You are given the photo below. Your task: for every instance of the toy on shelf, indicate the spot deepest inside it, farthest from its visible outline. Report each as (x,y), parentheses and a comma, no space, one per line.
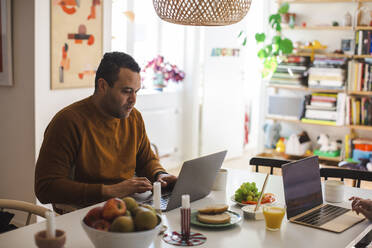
(297,145)
(327,148)
(272,134)
(280,145)
(315,45)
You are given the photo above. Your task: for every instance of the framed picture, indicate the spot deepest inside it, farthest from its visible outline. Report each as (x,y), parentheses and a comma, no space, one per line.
(6,74)
(347,46)
(76,42)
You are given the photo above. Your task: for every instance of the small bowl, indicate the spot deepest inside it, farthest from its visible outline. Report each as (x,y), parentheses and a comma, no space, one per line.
(42,241)
(250,214)
(103,239)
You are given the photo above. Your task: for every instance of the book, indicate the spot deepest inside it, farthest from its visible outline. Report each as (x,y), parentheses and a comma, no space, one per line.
(323,104)
(341,102)
(321,114)
(321,122)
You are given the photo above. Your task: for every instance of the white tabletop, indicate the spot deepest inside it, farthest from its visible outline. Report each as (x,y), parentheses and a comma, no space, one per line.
(247,233)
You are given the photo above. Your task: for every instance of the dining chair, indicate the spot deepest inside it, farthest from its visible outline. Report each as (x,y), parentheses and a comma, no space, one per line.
(23,206)
(267,162)
(357,175)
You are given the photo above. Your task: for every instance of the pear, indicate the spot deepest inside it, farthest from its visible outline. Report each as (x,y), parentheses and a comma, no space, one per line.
(145,220)
(130,202)
(122,224)
(149,207)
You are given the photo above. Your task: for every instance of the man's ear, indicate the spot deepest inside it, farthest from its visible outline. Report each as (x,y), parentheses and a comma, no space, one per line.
(102,85)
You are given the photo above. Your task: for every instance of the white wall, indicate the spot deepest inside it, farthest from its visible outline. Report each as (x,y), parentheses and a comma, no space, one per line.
(17,141)
(48,102)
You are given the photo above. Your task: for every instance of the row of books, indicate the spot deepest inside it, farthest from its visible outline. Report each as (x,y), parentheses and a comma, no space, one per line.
(292,71)
(358,111)
(324,108)
(360,75)
(363,42)
(324,72)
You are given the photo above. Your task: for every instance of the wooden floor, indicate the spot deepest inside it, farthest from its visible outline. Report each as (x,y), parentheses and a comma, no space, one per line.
(243,163)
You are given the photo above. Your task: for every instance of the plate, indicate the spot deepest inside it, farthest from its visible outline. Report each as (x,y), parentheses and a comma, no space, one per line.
(235,218)
(243,204)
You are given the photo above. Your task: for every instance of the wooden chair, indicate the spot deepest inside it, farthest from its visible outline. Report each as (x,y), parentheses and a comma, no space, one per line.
(342,173)
(268,162)
(23,206)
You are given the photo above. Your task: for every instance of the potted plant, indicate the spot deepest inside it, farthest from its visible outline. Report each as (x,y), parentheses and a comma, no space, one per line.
(272,51)
(158,73)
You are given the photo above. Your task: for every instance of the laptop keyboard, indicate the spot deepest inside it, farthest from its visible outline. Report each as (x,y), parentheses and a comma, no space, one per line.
(322,215)
(163,201)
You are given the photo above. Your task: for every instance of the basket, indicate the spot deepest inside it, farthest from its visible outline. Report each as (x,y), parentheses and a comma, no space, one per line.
(202,12)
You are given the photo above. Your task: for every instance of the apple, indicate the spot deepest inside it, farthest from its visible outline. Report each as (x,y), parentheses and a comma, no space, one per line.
(93,215)
(101,224)
(113,208)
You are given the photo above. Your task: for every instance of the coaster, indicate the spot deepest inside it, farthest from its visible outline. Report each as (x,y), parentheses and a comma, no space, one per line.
(176,239)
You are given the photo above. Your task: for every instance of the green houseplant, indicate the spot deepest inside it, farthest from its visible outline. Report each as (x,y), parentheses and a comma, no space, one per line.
(272,51)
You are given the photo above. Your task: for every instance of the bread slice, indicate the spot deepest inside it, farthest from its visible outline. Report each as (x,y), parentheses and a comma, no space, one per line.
(214,209)
(214,219)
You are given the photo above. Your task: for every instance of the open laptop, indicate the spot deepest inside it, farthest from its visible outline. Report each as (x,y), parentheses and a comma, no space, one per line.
(303,197)
(196,179)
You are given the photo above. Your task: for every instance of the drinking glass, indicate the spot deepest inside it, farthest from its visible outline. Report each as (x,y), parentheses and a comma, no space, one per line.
(274,216)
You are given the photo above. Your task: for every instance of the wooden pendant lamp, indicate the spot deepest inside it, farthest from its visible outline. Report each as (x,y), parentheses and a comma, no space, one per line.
(202,12)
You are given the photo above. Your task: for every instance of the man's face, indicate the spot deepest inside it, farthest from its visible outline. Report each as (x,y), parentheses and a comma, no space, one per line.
(119,100)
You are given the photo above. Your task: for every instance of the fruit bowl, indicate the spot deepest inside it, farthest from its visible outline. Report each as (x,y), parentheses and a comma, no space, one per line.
(103,239)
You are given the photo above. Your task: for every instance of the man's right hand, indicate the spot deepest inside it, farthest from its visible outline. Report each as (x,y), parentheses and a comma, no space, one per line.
(363,206)
(126,187)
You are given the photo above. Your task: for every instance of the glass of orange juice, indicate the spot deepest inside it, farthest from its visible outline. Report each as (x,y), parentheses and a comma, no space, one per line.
(273,216)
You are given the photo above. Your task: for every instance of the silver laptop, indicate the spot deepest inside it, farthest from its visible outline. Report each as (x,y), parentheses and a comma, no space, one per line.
(196,179)
(304,200)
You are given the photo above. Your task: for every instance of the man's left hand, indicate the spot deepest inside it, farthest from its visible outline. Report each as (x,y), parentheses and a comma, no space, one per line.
(166,179)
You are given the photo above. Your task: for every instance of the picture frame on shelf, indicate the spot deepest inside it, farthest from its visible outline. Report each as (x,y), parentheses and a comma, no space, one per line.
(347,46)
(6,70)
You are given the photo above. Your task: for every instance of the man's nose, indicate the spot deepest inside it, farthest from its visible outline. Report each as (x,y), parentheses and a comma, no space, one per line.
(133,97)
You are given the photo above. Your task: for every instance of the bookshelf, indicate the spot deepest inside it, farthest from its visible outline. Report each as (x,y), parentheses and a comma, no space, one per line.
(335,28)
(323,1)
(280,88)
(274,154)
(299,88)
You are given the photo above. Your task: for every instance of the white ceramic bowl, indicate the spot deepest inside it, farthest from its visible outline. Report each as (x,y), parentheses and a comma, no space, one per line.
(103,239)
(334,191)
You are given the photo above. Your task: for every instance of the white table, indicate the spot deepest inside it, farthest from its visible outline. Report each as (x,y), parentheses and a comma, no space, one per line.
(245,234)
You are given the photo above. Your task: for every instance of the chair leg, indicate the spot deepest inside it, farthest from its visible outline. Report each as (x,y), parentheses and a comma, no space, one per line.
(271,170)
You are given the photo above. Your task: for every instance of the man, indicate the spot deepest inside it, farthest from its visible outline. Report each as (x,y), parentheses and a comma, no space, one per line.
(97,148)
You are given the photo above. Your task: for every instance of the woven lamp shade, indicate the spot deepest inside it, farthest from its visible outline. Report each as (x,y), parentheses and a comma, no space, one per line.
(202,12)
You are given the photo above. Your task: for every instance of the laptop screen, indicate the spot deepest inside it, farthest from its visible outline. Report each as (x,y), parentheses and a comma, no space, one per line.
(302,187)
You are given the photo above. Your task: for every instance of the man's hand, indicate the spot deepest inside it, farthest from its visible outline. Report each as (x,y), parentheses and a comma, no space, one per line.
(126,187)
(166,179)
(363,206)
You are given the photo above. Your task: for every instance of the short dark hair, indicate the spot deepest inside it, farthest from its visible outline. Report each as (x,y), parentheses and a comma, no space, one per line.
(110,65)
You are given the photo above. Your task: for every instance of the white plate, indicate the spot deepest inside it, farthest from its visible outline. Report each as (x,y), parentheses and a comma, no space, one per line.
(243,204)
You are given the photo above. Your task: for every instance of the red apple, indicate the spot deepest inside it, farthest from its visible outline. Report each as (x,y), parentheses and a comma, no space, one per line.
(113,208)
(102,225)
(93,215)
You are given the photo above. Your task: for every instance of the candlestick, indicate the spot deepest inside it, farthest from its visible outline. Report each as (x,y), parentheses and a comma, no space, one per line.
(157,196)
(185,217)
(50,224)
(186,201)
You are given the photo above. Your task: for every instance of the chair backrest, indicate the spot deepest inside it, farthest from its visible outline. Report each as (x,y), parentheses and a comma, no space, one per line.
(341,173)
(23,206)
(268,162)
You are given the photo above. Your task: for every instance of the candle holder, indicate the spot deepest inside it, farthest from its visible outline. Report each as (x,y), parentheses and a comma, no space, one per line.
(42,241)
(185,238)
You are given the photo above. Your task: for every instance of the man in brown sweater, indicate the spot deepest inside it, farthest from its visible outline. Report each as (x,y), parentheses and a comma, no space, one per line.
(97,148)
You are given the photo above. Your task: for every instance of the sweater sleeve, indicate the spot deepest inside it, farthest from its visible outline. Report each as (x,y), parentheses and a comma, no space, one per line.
(147,163)
(55,165)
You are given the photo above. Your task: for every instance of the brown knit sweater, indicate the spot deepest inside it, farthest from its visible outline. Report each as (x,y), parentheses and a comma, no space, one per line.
(83,149)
